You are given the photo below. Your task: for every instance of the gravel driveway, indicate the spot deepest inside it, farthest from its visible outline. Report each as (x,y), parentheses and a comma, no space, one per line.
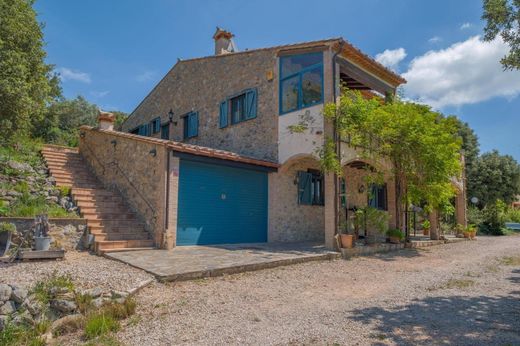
(459,294)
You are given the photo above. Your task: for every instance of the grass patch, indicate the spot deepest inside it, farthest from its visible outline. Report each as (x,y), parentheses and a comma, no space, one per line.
(459,283)
(105,340)
(510,261)
(24,335)
(42,288)
(99,324)
(29,206)
(84,302)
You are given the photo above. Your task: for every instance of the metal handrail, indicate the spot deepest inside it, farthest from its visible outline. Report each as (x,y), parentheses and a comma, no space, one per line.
(114,163)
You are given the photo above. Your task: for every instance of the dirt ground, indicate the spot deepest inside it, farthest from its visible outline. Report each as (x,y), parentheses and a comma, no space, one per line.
(459,294)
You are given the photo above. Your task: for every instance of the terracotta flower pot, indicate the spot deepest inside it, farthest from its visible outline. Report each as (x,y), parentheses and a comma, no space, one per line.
(347,241)
(426,231)
(466,234)
(472,234)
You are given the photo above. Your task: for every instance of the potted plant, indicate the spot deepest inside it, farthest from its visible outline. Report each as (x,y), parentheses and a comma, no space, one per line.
(395,235)
(375,219)
(472,231)
(426,227)
(459,231)
(346,239)
(6,231)
(42,240)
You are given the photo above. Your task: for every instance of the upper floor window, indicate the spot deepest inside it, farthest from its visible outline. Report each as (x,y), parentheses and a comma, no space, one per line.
(191,125)
(156,125)
(241,107)
(301,81)
(144,130)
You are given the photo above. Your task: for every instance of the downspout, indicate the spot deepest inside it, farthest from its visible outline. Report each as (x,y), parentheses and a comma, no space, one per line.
(167,217)
(336,143)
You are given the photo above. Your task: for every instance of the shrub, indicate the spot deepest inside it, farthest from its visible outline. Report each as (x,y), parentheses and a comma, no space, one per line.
(15,335)
(7,227)
(426,224)
(120,311)
(395,232)
(42,288)
(512,215)
(493,219)
(100,323)
(475,215)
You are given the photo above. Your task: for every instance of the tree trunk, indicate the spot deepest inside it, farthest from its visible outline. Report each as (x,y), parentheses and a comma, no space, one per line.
(434,225)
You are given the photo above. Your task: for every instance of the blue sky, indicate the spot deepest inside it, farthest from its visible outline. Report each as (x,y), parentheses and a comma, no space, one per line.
(114,52)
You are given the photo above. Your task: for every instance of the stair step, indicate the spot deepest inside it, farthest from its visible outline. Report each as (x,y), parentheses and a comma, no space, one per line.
(100,205)
(126,249)
(103,216)
(116,229)
(118,210)
(121,236)
(128,224)
(104,245)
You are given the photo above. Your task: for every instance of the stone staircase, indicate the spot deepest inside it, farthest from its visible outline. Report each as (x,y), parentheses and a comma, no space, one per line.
(114,226)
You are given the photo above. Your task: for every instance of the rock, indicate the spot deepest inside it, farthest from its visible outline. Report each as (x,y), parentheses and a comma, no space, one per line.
(34,306)
(93,292)
(62,305)
(99,302)
(69,229)
(7,308)
(67,324)
(81,228)
(3,322)
(119,294)
(13,193)
(23,318)
(53,199)
(18,294)
(5,292)
(20,166)
(55,291)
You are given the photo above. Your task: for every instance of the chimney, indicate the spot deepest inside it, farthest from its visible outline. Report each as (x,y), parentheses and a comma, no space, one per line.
(224,42)
(106,120)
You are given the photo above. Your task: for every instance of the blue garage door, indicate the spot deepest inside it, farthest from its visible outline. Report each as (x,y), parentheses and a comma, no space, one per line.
(221,205)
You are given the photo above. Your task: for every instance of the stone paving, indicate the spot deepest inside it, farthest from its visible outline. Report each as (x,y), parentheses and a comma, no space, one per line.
(192,262)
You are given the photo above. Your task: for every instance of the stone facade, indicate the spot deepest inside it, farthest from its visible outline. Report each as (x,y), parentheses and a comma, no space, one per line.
(288,220)
(200,85)
(136,166)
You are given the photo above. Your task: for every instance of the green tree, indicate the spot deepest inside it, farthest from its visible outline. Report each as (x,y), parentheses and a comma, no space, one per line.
(494,177)
(422,146)
(27,83)
(503,18)
(63,119)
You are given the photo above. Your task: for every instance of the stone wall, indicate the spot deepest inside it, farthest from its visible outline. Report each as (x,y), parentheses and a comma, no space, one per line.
(201,85)
(289,221)
(135,166)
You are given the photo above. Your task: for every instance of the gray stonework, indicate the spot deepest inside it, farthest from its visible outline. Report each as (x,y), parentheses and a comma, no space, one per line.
(201,85)
(289,221)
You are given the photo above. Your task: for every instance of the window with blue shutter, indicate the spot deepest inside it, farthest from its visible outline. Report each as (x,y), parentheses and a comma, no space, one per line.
(156,125)
(144,130)
(241,107)
(377,197)
(310,188)
(191,125)
(223,118)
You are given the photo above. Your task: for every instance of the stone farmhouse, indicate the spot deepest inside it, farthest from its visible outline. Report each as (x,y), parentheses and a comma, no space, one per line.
(208,156)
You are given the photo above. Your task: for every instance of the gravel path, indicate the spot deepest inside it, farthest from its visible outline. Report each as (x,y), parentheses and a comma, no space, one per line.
(86,270)
(460,294)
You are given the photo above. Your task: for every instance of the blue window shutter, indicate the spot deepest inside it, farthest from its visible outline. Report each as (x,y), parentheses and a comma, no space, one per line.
(372,198)
(304,188)
(193,124)
(223,119)
(251,104)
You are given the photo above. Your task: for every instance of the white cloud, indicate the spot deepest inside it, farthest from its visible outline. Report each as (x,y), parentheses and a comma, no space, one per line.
(435,39)
(145,76)
(465,26)
(465,73)
(391,57)
(99,94)
(69,74)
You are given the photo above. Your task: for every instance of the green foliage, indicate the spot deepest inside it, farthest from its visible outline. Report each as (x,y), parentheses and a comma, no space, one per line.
(120,311)
(426,224)
(422,145)
(502,18)
(17,335)
(493,222)
(28,205)
(512,215)
(475,215)
(26,81)
(100,323)
(395,232)
(7,227)
(494,177)
(42,288)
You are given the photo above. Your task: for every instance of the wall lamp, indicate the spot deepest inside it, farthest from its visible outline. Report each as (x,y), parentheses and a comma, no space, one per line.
(361,188)
(82,134)
(170,117)
(153,152)
(113,142)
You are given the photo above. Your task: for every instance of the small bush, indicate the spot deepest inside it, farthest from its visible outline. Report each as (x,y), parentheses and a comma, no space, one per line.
(84,302)
(100,323)
(13,335)
(7,227)
(395,233)
(42,288)
(493,219)
(512,215)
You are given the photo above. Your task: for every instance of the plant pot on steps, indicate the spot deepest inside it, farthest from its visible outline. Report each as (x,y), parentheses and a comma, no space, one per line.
(5,242)
(42,243)
(426,231)
(347,241)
